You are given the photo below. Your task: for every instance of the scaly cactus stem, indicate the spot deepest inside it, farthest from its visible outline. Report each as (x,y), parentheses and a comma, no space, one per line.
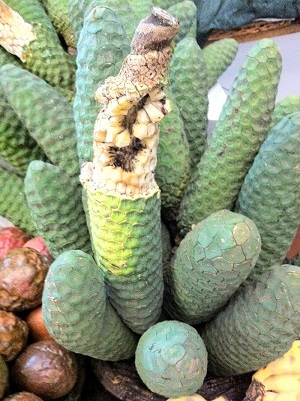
(123,199)
(15,32)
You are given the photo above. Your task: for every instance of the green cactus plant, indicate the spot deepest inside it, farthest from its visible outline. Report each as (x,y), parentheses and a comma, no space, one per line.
(140,8)
(243,125)
(45,56)
(56,209)
(101,48)
(136,254)
(17,147)
(288,105)
(74,276)
(188,80)
(259,324)
(172,171)
(186,12)
(218,56)
(58,12)
(45,113)
(277,217)
(165,4)
(79,9)
(171,359)
(13,203)
(7,58)
(222,251)
(123,202)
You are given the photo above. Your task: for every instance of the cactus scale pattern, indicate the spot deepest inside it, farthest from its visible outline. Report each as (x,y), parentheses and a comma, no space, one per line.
(17,147)
(102,46)
(210,264)
(171,359)
(186,12)
(13,203)
(140,8)
(288,105)
(243,125)
(7,58)
(69,295)
(259,324)
(264,196)
(45,113)
(218,56)
(16,33)
(172,171)
(164,3)
(188,80)
(59,15)
(78,10)
(133,130)
(127,244)
(56,208)
(123,202)
(45,56)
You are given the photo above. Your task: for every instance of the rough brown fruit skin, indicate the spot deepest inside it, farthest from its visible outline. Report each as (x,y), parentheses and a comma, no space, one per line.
(23,396)
(22,275)
(45,369)
(13,335)
(36,325)
(3,377)
(39,245)
(10,238)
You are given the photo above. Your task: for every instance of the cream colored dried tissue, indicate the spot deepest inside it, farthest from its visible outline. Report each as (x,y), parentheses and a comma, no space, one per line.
(15,33)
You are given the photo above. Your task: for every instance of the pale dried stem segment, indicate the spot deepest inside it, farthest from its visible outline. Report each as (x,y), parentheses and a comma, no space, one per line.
(126,129)
(15,33)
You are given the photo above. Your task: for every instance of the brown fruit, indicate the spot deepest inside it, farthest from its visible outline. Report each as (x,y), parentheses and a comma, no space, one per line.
(39,245)
(22,276)
(295,246)
(3,377)
(45,369)
(10,238)
(37,328)
(13,335)
(23,396)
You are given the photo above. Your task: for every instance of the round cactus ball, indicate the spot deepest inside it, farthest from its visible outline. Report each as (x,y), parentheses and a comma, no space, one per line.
(171,359)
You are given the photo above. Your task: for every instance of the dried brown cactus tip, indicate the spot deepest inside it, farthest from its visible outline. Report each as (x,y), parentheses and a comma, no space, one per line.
(15,33)
(133,103)
(155,31)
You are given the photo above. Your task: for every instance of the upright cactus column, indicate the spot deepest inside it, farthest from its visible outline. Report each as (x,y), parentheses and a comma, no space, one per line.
(123,199)
(242,127)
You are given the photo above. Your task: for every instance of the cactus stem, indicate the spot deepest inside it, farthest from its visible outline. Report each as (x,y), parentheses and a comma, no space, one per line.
(133,102)
(15,32)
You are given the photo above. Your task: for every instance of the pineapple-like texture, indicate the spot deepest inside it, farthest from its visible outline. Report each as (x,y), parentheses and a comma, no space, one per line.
(209,265)
(44,56)
(258,325)
(101,48)
(267,198)
(75,299)
(13,204)
(56,208)
(45,113)
(188,82)
(243,125)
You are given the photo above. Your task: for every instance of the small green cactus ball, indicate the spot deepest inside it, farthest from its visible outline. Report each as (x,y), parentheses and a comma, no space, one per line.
(171,359)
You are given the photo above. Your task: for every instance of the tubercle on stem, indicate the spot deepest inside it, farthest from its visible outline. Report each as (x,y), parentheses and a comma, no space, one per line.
(133,102)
